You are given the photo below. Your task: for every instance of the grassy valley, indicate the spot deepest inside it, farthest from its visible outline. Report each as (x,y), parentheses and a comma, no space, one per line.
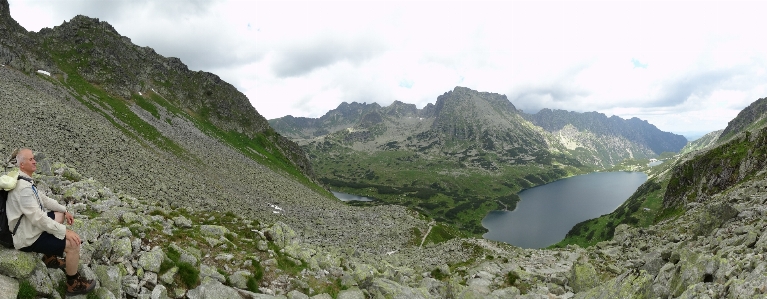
(466,155)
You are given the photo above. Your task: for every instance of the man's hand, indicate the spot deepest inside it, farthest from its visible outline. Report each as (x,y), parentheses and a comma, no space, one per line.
(73,237)
(69,218)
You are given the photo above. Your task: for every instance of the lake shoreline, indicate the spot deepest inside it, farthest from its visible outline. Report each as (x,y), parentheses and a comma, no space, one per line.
(547,212)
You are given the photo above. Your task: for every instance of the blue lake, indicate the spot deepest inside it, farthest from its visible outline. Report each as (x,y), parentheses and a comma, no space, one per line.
(546,213)
(350,197)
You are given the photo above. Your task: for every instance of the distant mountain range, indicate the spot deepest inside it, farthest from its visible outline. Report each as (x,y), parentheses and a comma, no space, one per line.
(468,146)
(464,118)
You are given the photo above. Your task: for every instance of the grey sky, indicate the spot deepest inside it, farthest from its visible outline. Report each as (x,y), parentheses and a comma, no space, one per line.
(683,66)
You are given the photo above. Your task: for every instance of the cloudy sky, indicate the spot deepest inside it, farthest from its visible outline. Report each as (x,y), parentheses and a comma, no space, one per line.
(688,67)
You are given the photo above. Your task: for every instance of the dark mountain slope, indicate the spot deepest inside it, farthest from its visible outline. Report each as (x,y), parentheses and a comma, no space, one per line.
(634,129)
(752,117)
(126,72)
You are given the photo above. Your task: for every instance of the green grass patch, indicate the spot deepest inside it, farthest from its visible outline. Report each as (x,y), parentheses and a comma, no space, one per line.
(26,290)
(189,274)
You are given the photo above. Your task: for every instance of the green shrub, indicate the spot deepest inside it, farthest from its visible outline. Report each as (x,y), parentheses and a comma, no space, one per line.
(437,274)
(26,290)
(511,278)
(173,254)
(258,271)
(190,275)
(166,265)
(252,284)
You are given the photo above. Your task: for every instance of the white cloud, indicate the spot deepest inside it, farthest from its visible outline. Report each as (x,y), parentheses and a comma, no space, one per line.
(666,62)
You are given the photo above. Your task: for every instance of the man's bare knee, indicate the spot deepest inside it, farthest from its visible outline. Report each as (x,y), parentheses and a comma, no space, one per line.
(69,247)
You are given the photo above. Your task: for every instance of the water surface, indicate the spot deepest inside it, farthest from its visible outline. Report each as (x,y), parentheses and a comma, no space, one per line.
(546,213)
(350,197)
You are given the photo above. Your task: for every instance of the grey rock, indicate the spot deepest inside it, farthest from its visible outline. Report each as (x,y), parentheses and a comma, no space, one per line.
(213,230)
(182,222)
(160,292)
(210,272)
(110,278)
(102,293)
(384,288)
(169,276)
(212,289)
(41,281)
(121,249)
(16,264)
(151,260)
(352,293)
(294,294)
(239,279)
(9,286)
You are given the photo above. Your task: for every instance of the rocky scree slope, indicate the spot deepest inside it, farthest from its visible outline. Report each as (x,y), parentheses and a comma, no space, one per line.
(43,115)
(85,51)
(140,248)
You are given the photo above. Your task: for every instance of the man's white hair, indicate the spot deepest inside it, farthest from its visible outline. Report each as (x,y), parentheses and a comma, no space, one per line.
(21,157)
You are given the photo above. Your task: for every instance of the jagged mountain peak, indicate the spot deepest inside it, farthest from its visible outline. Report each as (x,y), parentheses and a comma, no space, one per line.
(463,97)
(85,22)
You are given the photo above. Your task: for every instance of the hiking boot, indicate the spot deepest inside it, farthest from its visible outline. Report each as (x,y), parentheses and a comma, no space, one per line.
(80,286)
(54,262)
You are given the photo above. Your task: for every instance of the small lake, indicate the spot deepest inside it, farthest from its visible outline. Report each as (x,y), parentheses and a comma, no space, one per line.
(546,213)
(350,197)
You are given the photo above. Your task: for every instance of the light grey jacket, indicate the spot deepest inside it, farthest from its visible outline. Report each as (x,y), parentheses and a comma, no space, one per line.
(22,200)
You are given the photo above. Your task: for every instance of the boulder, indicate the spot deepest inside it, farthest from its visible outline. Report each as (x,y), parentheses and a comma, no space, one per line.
(9,286)
(182,222)
(111,278)
(213,289)
(381,288)
(16,263)
(352,293)
(41,281)
(583,276)
(213,230)
(151,260)
(281,234)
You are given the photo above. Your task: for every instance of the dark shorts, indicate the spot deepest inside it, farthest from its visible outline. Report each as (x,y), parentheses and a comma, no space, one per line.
(47,243)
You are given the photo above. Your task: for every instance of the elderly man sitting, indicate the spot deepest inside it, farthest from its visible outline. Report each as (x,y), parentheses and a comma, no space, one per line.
(41,226)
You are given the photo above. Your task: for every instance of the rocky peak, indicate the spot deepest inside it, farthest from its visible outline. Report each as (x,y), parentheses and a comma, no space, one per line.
(398,108)
(7,24)
(5,10)
(81,22)
(747,117)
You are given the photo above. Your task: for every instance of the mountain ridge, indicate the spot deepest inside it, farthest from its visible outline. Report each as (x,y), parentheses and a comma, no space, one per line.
(170,205)
(401,151)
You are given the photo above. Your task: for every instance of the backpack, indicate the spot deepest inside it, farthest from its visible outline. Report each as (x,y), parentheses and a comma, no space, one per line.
(6,236)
